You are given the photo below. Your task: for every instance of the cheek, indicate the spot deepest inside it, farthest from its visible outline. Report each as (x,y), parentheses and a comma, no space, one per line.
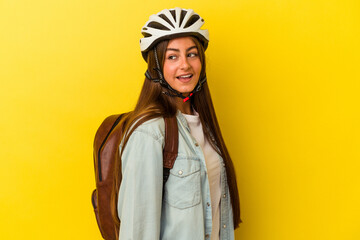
(198,67)
(199,70)
(168,71)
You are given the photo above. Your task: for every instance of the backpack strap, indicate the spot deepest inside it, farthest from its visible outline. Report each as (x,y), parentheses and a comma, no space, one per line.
(170,151)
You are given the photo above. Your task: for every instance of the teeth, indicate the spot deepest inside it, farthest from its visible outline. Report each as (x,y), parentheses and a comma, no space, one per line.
(185,76)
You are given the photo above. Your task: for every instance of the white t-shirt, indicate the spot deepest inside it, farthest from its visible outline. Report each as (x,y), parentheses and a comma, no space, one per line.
(213,170)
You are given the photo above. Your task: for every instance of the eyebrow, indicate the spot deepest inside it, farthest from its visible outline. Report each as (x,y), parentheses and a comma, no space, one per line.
(177,50)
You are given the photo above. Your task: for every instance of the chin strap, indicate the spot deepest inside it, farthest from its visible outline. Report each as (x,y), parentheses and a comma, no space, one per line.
(163,83)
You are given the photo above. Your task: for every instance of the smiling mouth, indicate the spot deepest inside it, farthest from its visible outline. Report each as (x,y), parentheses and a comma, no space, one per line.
(185,77)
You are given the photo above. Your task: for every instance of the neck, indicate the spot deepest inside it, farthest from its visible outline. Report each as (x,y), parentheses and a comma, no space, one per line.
(184,107)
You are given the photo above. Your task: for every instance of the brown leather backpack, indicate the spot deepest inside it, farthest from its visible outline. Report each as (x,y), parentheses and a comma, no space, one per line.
(106,145)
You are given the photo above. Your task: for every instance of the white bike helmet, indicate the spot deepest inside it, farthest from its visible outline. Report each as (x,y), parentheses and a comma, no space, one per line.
(172,23)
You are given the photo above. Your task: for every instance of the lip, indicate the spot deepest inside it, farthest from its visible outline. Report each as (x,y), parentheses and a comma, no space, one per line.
(185,80)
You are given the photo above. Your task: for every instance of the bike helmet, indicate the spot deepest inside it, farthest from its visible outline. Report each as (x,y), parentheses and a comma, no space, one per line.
(172,23)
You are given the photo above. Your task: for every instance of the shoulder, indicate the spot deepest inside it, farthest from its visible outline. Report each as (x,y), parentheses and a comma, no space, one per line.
(154,128)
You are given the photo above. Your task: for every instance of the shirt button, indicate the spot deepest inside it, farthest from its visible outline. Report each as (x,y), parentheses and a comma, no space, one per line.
(180,172)
(196,144)
(224,196)
(224,226)
(207,235)
(208,204)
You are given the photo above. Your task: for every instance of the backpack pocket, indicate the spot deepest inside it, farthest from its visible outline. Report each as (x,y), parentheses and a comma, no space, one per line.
(182,190)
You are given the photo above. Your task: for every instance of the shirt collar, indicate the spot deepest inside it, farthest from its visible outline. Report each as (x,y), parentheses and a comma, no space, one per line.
(182,120)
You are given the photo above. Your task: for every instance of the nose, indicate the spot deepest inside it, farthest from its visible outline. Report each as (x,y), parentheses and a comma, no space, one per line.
(184,63)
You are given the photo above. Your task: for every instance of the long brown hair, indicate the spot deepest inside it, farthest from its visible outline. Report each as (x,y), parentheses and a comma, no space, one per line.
(152,103)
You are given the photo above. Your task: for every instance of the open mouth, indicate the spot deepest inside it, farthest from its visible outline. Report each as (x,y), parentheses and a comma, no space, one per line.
(185,77)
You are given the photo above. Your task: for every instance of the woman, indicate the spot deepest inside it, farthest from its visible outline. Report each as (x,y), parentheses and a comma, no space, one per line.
(195,202)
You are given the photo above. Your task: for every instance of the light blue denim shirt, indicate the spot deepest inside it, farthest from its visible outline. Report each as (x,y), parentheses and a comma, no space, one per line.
(184,212)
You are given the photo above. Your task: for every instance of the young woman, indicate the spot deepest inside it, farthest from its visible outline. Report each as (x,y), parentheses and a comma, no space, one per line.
(200,198)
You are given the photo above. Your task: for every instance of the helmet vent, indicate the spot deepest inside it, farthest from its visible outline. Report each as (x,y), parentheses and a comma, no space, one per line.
(173,14)
(166,19)
(146,34)
(182,15)
(192,20)
(157,25)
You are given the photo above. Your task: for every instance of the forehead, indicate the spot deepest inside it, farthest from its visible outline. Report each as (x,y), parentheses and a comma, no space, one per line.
(181,43)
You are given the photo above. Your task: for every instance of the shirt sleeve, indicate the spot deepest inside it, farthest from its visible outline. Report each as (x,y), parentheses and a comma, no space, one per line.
(140,193)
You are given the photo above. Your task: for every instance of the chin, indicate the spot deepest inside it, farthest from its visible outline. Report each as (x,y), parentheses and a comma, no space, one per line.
(186,91)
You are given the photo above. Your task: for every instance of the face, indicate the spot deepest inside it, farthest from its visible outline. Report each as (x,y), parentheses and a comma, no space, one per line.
(182,66)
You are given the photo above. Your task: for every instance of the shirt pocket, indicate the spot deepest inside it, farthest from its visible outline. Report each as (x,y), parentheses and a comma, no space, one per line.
(182,189)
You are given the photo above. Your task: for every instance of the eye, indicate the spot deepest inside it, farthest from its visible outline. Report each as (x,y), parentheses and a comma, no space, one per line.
(193,54)
(171,57)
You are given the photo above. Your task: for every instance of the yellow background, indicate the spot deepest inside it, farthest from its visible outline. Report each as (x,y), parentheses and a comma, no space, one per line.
(284,77)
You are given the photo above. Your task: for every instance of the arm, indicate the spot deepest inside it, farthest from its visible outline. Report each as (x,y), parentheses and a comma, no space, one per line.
(140,194)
